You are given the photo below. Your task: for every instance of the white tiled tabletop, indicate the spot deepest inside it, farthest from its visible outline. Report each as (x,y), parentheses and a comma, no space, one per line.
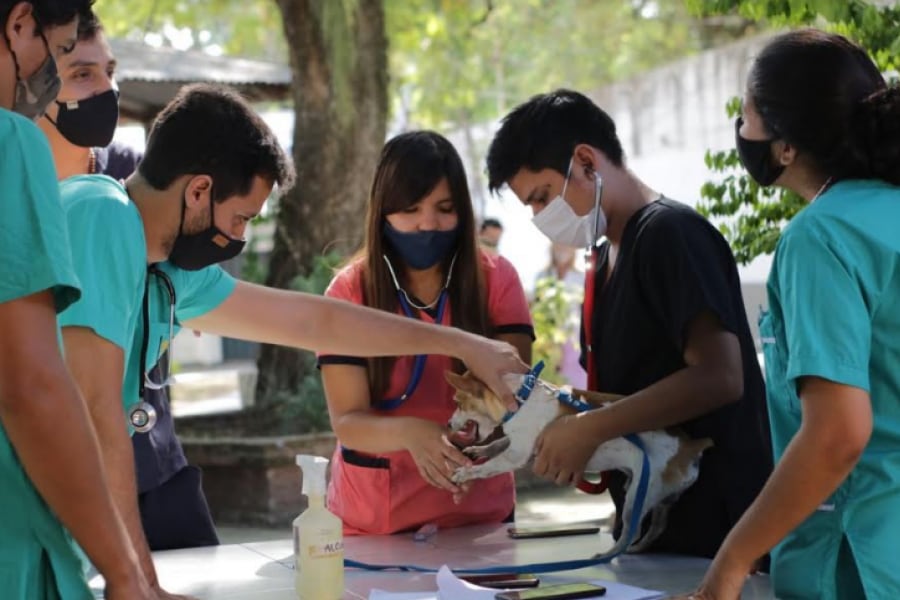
(263,570)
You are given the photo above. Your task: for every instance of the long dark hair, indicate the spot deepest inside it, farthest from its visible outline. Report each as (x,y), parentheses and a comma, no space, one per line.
(822,93)
(410,167)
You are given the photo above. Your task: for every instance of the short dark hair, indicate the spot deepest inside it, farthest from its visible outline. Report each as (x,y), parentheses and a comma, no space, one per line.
(212,130)
(823,94)
(88,27)
(51,13)
(542,134)
(491,222)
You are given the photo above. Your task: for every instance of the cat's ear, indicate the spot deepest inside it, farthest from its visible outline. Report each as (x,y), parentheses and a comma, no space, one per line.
(465,383)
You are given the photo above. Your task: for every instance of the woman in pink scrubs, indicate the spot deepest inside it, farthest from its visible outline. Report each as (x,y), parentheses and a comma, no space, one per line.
(391,470)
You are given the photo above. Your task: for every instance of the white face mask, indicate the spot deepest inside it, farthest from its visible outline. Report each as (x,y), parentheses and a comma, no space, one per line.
(560,223)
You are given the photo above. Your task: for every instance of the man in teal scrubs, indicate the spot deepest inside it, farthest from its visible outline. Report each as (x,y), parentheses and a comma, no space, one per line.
(209,166)
(51,476)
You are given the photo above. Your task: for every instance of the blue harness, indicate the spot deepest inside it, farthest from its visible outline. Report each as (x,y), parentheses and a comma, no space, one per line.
(546,567)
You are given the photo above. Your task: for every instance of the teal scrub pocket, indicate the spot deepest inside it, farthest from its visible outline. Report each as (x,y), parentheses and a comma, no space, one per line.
(778,389)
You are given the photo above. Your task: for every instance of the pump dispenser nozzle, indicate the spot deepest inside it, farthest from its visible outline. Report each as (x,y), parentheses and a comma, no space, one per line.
(314,468)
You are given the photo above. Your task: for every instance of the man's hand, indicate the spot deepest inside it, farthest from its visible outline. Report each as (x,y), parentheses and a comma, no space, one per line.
(564,448)
(435,456)
(489,360)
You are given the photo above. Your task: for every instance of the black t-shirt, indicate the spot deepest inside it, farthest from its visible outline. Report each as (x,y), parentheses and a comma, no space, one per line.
(672,265)
(117,160)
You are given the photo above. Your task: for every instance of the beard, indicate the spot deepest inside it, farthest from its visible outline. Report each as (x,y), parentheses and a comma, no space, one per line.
(196,224)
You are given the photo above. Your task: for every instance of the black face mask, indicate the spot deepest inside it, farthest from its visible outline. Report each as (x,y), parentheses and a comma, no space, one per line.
(756,156)
(195,251)
(89,123)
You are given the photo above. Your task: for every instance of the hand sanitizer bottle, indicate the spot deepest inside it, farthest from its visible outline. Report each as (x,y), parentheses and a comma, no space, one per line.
(318,538)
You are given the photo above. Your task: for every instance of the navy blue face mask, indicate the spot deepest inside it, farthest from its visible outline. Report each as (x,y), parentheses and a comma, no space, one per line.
(421,249)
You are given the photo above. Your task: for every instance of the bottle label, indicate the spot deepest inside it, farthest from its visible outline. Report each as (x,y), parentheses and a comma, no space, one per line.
(325,550)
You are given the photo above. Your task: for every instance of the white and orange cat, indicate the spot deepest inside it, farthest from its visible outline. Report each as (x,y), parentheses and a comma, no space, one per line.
(477,427)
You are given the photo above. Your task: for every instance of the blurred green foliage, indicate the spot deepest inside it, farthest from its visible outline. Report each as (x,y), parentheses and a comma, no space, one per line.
(555,324)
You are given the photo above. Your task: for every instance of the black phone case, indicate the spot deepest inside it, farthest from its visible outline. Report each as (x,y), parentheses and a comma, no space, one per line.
(524,532)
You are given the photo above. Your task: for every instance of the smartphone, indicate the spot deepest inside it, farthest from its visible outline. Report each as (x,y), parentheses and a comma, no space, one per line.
(564,591)
(542,532)
(503,581)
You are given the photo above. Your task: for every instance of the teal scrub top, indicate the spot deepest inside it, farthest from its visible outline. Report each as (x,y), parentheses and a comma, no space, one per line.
(109,253)
(37,557)
(834,299)
(110,257)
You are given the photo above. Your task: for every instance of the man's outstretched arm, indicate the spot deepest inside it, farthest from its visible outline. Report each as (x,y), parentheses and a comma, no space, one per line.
(299,320)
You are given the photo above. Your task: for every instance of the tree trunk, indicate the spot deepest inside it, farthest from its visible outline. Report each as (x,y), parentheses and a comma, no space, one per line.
(338,58)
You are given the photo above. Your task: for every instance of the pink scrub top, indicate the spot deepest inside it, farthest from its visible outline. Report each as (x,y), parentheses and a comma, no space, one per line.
(384,493)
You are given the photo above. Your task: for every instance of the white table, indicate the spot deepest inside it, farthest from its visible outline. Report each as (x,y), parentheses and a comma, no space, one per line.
(264,570)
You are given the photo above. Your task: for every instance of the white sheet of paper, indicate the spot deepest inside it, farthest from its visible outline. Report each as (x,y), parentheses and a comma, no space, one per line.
(451,587)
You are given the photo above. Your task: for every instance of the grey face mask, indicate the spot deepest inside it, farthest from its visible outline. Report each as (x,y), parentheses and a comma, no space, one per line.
(36,92)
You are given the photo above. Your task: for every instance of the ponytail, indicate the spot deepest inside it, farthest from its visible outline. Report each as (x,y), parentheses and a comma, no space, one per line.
(877,134)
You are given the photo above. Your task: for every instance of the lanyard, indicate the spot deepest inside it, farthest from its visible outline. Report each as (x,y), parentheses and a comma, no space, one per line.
(587,312)
(142,415)
(589,487)
(419,365)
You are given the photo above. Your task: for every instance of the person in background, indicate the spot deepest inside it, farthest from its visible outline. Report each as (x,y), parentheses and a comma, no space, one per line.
(51,474)
(392,470)
(563,272)
(81,123)
(80,127)
(819,120)
(663,321)
(489,235)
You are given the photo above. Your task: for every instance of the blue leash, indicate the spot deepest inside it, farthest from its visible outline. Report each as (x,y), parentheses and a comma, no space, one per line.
(547,567)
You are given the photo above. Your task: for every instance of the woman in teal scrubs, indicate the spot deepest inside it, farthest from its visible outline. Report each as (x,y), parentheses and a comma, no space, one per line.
(819,120)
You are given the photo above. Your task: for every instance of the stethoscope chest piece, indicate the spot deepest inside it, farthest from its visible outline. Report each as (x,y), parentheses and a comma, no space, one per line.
(142,417)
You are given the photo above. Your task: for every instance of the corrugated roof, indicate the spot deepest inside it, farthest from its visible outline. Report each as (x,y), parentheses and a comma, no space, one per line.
(149,77)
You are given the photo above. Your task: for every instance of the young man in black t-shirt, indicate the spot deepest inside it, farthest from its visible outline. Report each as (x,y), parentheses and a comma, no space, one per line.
(664,322)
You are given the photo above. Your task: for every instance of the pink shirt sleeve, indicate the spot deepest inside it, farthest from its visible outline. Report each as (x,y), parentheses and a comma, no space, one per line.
(507,304)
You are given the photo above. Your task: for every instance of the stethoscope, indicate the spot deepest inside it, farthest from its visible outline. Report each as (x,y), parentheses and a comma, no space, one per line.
(407,304)
(142,415)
